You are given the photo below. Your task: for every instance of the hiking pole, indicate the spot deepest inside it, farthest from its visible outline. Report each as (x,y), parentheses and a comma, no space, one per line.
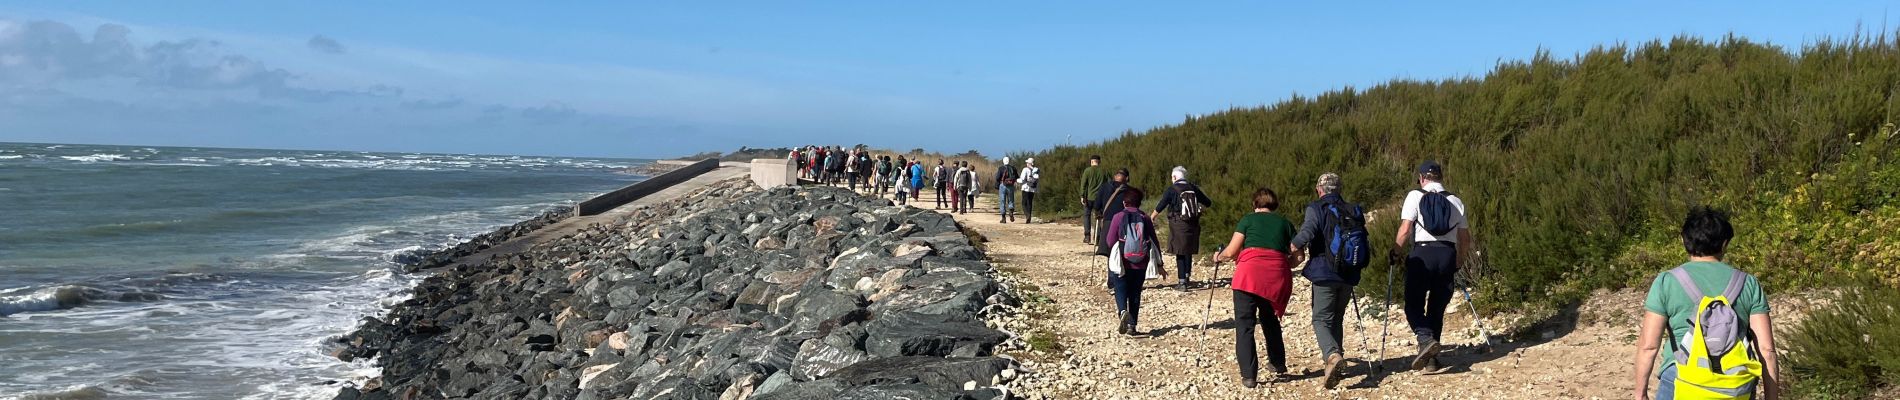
(1385,312)
(1475,318)
(1207,314)
(1359,313)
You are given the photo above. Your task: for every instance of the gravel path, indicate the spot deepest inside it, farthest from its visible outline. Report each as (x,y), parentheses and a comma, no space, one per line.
(1588,361)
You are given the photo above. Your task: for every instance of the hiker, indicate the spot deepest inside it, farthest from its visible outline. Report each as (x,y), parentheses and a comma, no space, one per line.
(940,178)
(899,176)
(1433,223)
(916,179)
(1092,180)
(1263,282)
(1679,300)
(957,186)
(969,188)
(851,170)
(1332,235)
(878,173)
(1107,196)
(1133,259)
(1005,190)
(1027,183)
(1184,202)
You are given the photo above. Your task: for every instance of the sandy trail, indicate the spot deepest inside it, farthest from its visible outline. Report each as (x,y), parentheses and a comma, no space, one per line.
(1588,361)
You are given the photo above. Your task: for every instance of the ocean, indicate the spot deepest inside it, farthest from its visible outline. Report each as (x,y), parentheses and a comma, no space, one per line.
(203,273)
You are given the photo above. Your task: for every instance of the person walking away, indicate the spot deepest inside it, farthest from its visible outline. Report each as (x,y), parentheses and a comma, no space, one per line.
(1332,235)
(1184,202)
(967,178)
(1433,222)
(1263,282)
(1107,196)
(957,187)
(1005,190)
(1027,184)
(917,180)
(1684,315)
(864,168)
(940,179)
(851,168)
(1134,258)
(1092,179)
(903,187)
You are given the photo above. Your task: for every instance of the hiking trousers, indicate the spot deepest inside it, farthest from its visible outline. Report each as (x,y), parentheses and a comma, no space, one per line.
(1184,263)
(1088,221)
(1128,286)
(1429,274)
(1029,204)
(1329,316)
(941,199)
(969,200)
(1251,309)
(1005,200)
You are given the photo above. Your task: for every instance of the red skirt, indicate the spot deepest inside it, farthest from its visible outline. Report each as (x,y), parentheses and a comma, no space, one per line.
(1266,273)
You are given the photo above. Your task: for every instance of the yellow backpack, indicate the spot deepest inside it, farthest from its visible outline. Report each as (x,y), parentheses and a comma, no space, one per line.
(1715,360)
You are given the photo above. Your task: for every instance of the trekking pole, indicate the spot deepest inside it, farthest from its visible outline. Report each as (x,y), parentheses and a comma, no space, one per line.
(1207,314)
(1475,318)
(1385,312)
(1364,341)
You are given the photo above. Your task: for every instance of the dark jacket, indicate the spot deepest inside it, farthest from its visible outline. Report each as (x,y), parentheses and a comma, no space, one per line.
(1315,236)
(1108,201)
(1184,235)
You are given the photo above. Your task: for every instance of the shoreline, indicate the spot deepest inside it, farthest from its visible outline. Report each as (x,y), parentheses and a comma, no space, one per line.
(799,293)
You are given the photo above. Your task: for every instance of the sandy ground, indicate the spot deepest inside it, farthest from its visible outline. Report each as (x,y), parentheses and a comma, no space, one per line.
(1585,355)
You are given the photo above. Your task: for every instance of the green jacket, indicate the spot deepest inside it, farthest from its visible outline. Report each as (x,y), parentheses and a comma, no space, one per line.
(1091,179)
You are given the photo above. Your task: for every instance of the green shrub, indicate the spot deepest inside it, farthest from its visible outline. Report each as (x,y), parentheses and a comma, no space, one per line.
(1577,172)
(1849,349)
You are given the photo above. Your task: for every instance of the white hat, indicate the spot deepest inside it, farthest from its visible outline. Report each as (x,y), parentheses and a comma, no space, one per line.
(1029,161)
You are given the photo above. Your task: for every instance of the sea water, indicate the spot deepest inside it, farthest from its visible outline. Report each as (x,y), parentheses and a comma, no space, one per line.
(163,272)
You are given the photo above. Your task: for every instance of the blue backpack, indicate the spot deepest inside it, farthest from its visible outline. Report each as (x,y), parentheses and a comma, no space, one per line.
(1347,245)
(1435,212)
(1134,241)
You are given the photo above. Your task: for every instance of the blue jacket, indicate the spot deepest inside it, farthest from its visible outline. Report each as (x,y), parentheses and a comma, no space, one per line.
(917,175)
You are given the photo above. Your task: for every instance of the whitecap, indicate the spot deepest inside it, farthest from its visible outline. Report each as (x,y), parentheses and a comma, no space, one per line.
(98,157)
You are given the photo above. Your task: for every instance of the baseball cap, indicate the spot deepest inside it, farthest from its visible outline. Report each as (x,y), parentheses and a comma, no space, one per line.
(1431,167)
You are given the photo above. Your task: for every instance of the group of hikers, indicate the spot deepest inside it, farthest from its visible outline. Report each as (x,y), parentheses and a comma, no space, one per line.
(956,184)
(1699,328)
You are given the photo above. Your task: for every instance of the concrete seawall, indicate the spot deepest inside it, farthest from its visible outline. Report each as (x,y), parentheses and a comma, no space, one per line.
(608,201)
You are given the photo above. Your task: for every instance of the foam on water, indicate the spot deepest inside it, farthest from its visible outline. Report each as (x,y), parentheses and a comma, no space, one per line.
(252,317)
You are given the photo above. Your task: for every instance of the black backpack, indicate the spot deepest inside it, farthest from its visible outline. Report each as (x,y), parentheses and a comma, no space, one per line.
(1190,208)
(1007,174)
(1435,212)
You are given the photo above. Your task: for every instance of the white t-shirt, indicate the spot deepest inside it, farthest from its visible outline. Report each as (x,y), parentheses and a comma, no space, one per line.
(1410,215)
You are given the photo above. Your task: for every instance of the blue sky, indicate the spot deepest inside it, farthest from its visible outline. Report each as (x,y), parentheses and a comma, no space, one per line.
(638,79)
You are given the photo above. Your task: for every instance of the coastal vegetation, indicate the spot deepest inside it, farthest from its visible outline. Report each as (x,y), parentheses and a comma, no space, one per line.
(1577,171)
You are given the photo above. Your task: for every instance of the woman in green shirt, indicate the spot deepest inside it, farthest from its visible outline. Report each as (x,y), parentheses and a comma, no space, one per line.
(1263,281)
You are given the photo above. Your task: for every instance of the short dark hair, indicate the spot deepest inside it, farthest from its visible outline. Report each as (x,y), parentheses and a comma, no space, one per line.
(1097,157)
(1131,197)
(1706,232)
(1265,198)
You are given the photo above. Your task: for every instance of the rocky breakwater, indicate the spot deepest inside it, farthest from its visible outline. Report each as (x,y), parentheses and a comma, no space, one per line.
(730,293)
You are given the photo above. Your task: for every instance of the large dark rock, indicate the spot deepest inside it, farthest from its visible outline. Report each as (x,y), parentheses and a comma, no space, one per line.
(784,294)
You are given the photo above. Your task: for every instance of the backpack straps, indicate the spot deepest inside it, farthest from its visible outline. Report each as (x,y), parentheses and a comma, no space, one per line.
(1734,288)
(1688,285)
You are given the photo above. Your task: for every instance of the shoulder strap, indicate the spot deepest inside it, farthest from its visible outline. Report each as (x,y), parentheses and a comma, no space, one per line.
(1688,285)
(1734,288)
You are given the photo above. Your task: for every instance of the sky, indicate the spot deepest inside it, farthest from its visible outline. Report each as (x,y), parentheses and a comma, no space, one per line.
(664,79)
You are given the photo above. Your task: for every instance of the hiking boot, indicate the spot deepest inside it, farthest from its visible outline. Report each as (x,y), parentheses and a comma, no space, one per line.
(1435,367)
(1427,352)
(1335,367)
(1181,286)
(1248,383)
(1277,369)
